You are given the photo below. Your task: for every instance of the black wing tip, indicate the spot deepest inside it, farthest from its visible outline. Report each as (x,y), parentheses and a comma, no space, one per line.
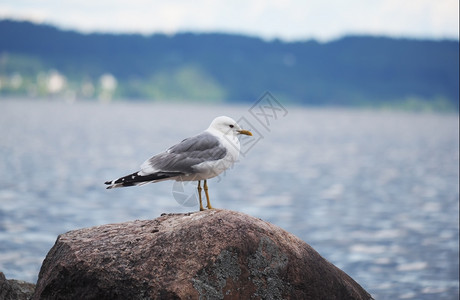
(136,179)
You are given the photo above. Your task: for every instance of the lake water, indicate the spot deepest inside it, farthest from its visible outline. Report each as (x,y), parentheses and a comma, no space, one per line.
(376,193)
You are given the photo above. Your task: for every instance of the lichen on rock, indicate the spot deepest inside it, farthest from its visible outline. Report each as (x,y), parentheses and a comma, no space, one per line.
(211,280)
(265,265)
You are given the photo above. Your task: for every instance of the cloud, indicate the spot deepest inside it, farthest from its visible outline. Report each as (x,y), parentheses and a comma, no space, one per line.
(287,19)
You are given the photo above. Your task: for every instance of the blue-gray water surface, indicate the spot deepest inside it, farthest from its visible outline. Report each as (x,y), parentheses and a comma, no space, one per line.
(376,193)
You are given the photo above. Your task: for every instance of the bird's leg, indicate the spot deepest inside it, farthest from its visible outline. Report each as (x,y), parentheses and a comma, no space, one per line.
(199,195)
(205,186)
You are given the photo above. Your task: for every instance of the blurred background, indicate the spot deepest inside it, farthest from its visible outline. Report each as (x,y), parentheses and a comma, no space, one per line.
(354,107)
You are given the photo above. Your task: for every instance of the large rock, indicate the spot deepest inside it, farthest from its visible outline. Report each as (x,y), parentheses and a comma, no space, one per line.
(15,289)
(214,254)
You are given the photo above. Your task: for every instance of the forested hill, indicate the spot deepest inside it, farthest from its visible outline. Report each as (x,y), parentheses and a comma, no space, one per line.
(353,70)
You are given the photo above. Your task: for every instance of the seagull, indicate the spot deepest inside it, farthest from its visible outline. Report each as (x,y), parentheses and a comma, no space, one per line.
(196,158)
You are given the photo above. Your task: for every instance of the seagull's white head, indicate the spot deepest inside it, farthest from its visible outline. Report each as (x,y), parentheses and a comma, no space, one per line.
(227,126)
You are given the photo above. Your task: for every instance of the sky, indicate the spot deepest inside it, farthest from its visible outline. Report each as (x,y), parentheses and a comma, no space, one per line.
(288,20)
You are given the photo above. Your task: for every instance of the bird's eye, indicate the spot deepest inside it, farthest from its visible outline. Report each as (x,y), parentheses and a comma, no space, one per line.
(231,126)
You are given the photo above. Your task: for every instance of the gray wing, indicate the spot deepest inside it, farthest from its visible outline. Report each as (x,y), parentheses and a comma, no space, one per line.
(188,153)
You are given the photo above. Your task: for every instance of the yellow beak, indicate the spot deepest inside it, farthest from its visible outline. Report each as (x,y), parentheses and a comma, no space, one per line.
(246,132)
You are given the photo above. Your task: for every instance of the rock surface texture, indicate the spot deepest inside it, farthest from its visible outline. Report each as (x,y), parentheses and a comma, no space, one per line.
(213,254)
(15,289)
